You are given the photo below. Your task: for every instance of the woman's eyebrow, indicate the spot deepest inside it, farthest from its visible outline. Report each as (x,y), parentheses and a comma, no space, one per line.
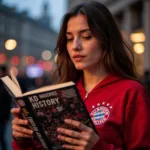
(81,31)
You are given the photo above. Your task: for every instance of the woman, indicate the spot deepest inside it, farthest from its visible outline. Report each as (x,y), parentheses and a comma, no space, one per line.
(92,53)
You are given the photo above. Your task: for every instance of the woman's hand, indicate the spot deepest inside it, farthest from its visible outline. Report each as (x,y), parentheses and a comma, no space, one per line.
(20,126)
(84,140)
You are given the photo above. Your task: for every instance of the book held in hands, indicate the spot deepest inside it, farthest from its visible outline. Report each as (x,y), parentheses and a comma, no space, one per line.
(46,109)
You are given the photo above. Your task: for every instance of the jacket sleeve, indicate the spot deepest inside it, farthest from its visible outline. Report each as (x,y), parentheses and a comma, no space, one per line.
(26,145)
(137,123)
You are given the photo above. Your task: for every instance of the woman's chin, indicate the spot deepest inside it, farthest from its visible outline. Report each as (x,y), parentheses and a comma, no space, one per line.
(79,67)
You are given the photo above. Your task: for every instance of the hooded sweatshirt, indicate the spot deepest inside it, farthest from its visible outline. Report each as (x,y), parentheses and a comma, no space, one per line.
(120,110)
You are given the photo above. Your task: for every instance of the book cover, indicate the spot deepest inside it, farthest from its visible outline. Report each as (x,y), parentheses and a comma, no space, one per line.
(46,108)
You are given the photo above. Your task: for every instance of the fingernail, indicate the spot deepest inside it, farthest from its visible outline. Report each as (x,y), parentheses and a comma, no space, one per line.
(66,120)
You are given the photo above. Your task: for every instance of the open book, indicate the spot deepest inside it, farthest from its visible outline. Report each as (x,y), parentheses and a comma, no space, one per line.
(47,107)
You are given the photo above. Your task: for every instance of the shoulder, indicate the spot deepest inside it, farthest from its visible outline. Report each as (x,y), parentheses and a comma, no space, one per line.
(135,91)
(132,85)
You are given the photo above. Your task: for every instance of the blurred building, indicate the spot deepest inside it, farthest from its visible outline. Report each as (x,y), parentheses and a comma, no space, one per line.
(133,18)
(29,37)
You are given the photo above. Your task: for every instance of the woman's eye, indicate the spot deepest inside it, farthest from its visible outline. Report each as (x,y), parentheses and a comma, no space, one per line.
(69,39)
(86,37)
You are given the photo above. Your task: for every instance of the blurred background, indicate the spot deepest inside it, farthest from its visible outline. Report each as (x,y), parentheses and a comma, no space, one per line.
(29,30)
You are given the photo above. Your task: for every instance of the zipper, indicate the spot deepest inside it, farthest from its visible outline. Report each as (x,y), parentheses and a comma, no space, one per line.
(86,95)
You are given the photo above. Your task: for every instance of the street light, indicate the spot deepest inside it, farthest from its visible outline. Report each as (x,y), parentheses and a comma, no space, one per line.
(10,44)
(137,37)
(138,48)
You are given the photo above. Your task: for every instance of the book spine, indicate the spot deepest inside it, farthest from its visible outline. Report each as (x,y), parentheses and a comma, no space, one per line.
(28,114)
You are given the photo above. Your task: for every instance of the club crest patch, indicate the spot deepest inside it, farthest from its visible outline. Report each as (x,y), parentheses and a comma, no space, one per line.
(21,103)
(100,114)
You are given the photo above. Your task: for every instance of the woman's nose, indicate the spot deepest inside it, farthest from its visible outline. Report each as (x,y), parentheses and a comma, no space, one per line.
(77,44)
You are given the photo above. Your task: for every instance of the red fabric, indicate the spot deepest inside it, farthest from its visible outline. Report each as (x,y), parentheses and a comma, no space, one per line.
(28,144)
(123,114)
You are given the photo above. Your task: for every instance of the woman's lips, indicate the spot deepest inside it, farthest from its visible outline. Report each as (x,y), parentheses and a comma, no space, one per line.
(78,57)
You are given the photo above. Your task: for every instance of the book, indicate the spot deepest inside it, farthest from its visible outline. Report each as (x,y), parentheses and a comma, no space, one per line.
(46,108)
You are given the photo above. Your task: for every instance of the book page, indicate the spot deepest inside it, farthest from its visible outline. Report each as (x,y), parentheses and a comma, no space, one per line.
(11,86)
(48,88)
(14,79)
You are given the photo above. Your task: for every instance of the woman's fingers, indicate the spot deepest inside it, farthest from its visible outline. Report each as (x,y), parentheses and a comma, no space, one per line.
(78,140)
(22,129)
(21,135)
(17,121)
(71,133)
(20,126)
(72,140)
(15,112)
(86,133)
(78,125)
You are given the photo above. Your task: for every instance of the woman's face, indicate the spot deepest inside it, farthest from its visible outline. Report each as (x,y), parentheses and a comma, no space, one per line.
(83,47)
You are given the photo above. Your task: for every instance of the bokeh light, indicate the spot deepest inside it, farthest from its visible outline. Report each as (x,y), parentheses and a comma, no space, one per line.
(46,55)
(10,44)
(138,48)
(47,66)
(15,60)
(40,63)
(137,37)
(30,60)
(34,71)
(3,58)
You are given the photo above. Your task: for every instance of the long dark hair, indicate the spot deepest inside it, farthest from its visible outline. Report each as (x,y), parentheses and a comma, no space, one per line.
(118,58)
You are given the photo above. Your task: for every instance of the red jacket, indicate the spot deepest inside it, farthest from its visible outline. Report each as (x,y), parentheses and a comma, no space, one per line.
(120,111)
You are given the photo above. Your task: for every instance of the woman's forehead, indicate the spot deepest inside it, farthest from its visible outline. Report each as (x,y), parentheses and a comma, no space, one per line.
(77,23)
